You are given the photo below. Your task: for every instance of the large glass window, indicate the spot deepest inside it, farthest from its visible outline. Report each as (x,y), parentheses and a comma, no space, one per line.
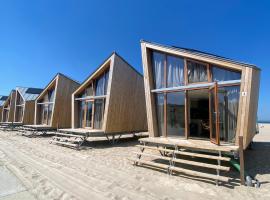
(19,99)
(176,114)
(101,84)
(228,98)
(197,72)
(81,113)
(220,74)
(99,113)
(91,110)
(19,114)
(51,95)
(89,90)
(50,108)
(160,113)
(88,114)
(5,115)
(158,62)
(175,71)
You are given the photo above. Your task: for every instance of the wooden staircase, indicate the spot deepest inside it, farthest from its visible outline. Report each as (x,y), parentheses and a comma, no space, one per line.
(186,161)
(68,140)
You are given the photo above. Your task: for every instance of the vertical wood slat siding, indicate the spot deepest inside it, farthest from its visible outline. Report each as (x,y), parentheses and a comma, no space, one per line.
(61,116)
(148,85)
(251,116)
(12,106)
(29,113)
(126,100)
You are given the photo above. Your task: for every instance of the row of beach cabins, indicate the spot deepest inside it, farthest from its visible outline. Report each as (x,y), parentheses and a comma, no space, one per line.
(199,110)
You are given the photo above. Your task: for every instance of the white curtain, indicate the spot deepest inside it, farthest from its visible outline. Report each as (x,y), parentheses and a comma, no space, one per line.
(229,103)
(197,72)
(160,113)
(158,70)
(175,71)
(101,84)
(233,102)
(98,115)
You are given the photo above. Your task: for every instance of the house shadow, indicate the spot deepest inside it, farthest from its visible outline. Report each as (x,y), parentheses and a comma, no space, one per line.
(257,160)
(103,142)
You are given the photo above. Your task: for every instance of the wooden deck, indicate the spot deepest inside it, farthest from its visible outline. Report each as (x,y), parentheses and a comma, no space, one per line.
(83,131)
(190,143)
(39,127)
(92,132)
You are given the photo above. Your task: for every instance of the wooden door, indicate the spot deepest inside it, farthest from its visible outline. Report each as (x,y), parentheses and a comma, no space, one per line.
(214,114)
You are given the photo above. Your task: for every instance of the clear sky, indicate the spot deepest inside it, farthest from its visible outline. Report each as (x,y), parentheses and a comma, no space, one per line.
(40,38)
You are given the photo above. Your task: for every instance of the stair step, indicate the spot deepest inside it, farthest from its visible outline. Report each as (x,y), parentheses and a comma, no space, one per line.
(56,138)
(199,155)
(187,162)
(64,143)
(68,135)
(181,170)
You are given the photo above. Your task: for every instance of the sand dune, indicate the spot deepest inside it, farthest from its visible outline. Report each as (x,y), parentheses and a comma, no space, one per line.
(104,172)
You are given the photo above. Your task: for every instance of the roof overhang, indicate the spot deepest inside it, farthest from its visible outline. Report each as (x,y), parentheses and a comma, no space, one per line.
(196,55)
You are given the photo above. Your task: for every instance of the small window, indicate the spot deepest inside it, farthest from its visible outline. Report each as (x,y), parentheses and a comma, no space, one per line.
(197,72)
(220,74)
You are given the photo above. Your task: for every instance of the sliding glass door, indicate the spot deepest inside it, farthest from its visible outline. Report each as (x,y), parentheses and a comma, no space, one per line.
(46,114)
(214,114)
(88,114)
(175,114)
(99,113)
(91,113)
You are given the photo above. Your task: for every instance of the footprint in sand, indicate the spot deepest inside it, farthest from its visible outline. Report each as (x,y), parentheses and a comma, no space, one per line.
(139,178)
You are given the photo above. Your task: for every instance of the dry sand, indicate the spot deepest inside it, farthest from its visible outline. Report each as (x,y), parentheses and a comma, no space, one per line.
(104,172)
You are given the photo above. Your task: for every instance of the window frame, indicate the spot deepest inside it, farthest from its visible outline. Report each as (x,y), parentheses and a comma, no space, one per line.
(186,83)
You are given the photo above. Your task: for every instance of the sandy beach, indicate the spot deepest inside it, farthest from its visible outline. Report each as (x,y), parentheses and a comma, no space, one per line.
(102,171)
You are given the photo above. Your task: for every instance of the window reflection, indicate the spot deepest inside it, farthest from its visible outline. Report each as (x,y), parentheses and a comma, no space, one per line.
(228,98)
(160,113)
(220,74)
(196,72)
(176,114)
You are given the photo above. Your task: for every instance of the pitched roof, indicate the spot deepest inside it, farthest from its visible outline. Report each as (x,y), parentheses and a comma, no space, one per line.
(104,61)
(3,99)
(29,94)
(203,54)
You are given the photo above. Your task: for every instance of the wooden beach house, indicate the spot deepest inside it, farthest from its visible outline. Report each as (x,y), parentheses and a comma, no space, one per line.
(2,101)
(8,108)
(198,103)
(24,111)
(109,103)
(53,105)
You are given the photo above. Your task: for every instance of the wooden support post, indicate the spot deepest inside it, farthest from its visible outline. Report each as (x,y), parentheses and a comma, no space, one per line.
(242,163)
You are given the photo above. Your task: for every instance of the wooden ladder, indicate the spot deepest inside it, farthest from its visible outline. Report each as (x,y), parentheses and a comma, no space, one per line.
(177,156)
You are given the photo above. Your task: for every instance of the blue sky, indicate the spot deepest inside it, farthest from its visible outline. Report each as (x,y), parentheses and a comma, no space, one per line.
(40,38)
